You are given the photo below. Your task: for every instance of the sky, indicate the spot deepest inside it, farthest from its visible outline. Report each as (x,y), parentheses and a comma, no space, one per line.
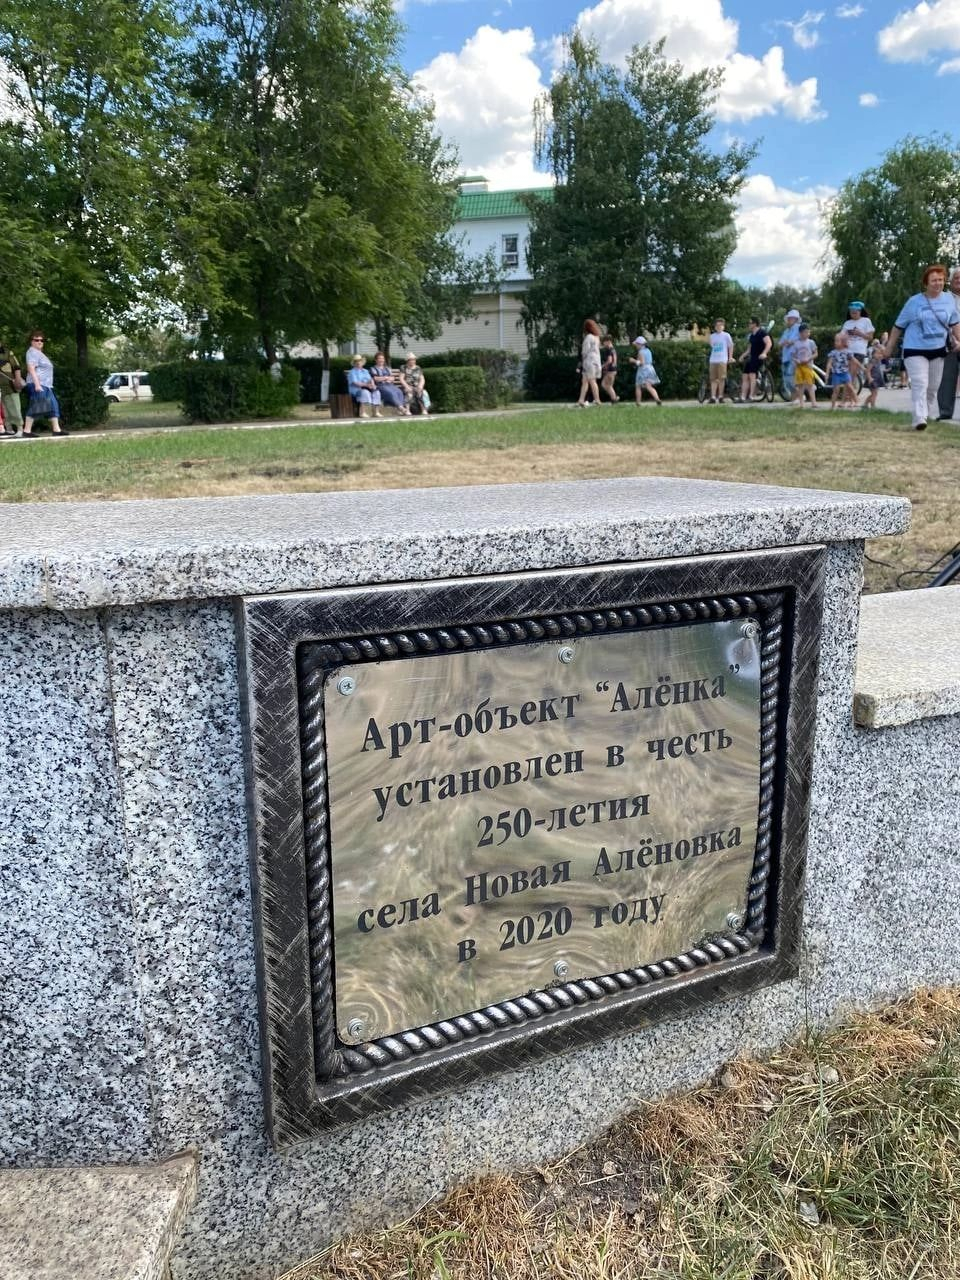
(824,92)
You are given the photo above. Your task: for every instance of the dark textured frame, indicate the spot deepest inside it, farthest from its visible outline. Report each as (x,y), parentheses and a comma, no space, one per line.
(289,643)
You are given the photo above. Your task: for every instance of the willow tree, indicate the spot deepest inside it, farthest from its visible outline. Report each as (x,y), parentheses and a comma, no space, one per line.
(641,221)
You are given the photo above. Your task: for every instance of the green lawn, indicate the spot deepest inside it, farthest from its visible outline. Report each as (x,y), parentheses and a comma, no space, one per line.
(865,452)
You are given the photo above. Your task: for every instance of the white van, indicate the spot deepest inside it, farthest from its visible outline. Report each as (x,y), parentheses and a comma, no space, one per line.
(132,385)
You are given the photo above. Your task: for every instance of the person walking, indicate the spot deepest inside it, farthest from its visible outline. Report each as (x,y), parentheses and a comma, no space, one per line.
(43,402)
(608,355)
(947,393)
(859,330)
(646,377)
(842,367)
(589,363)
(11,384)
(929,323)
(804,354)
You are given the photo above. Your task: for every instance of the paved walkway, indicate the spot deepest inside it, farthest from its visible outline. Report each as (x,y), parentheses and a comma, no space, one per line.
(890,400)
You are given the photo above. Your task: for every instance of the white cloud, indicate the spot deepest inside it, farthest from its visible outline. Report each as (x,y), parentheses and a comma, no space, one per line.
(848,11)
(869,100)
(950,67)
(780,233)
(700,35)
(928,30)
(484,98)
(805,33)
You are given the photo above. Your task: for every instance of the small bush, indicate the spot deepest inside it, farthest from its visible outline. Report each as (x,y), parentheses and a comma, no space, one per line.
(168,381)
(82,402)
(218,392)
(453,390)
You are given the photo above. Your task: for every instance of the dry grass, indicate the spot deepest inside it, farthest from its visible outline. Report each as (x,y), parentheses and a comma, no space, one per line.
(838,1159)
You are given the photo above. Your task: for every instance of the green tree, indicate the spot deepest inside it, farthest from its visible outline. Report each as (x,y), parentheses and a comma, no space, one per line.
(90,88)
(315,185)
(641,222)
(889,223)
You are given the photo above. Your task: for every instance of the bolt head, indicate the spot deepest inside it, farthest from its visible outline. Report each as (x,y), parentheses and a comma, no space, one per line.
(565,654)
(346,685)
(561,968)
(735,921)
(355,1029)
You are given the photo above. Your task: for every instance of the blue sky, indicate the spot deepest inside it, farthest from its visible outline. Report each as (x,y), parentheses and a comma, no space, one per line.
(824,90)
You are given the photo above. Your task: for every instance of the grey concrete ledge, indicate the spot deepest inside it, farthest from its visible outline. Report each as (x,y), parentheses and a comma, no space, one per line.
(87,554)
(908,661)
(98,1224)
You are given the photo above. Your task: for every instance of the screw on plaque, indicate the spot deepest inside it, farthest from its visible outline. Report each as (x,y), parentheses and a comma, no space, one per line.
(735,921)
(561,968)
(749,631)
(565,654)
(355,1029)
(346,685)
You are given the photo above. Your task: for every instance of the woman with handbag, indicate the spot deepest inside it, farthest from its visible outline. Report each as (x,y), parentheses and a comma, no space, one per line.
(930,324)
(11,384)
(42,402)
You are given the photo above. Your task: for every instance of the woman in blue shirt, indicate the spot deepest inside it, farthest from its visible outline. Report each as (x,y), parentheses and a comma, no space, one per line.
(930,325)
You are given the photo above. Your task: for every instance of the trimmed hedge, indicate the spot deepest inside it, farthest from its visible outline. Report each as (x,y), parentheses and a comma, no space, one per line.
(310,369)
(215,391)
(169,381)
(501,370)
(455,389)
(82,402)
(680,365)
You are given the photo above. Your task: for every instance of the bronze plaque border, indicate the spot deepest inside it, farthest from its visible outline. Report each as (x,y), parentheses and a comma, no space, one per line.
(288,643)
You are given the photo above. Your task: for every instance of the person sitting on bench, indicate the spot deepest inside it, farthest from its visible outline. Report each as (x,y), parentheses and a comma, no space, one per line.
(363,389)
(389,383)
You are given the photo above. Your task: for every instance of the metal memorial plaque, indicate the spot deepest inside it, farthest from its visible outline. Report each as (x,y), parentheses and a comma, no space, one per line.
(501,818)
(492,819)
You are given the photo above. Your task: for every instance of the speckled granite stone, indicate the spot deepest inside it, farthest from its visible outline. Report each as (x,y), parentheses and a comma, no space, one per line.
(70,1018)
(93,1224)
(878,921)
(92,554)
(908,664)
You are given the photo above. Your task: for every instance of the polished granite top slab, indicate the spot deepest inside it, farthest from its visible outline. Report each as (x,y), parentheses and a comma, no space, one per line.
(115,1223)
(78,555)
(908,661)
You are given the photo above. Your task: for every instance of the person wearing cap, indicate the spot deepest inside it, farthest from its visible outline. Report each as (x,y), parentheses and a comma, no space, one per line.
(788,340)
(804,353)
(415,387)
(363,389)
(859,330)
(646,374)
(947,394)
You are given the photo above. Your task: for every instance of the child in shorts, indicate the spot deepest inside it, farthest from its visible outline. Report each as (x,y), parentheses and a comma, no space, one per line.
(876,376)
(842,365)
(608,367)
(804,354)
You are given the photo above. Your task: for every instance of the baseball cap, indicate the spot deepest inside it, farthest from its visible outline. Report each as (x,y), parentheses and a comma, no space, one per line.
(851,306)
(639,342)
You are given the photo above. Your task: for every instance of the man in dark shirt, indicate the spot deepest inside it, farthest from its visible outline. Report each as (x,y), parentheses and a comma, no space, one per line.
(754,354)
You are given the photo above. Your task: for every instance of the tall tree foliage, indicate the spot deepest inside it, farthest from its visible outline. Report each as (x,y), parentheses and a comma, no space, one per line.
(322,186)
(890,222)
(88,87)
(641,221)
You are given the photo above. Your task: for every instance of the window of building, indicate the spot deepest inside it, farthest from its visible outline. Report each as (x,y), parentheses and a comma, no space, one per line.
(510,251)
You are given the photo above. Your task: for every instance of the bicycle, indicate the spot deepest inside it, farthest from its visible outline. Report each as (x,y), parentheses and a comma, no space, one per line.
(731,387)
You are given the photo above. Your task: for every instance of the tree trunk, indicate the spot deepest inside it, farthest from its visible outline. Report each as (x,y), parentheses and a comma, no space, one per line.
(83,344)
